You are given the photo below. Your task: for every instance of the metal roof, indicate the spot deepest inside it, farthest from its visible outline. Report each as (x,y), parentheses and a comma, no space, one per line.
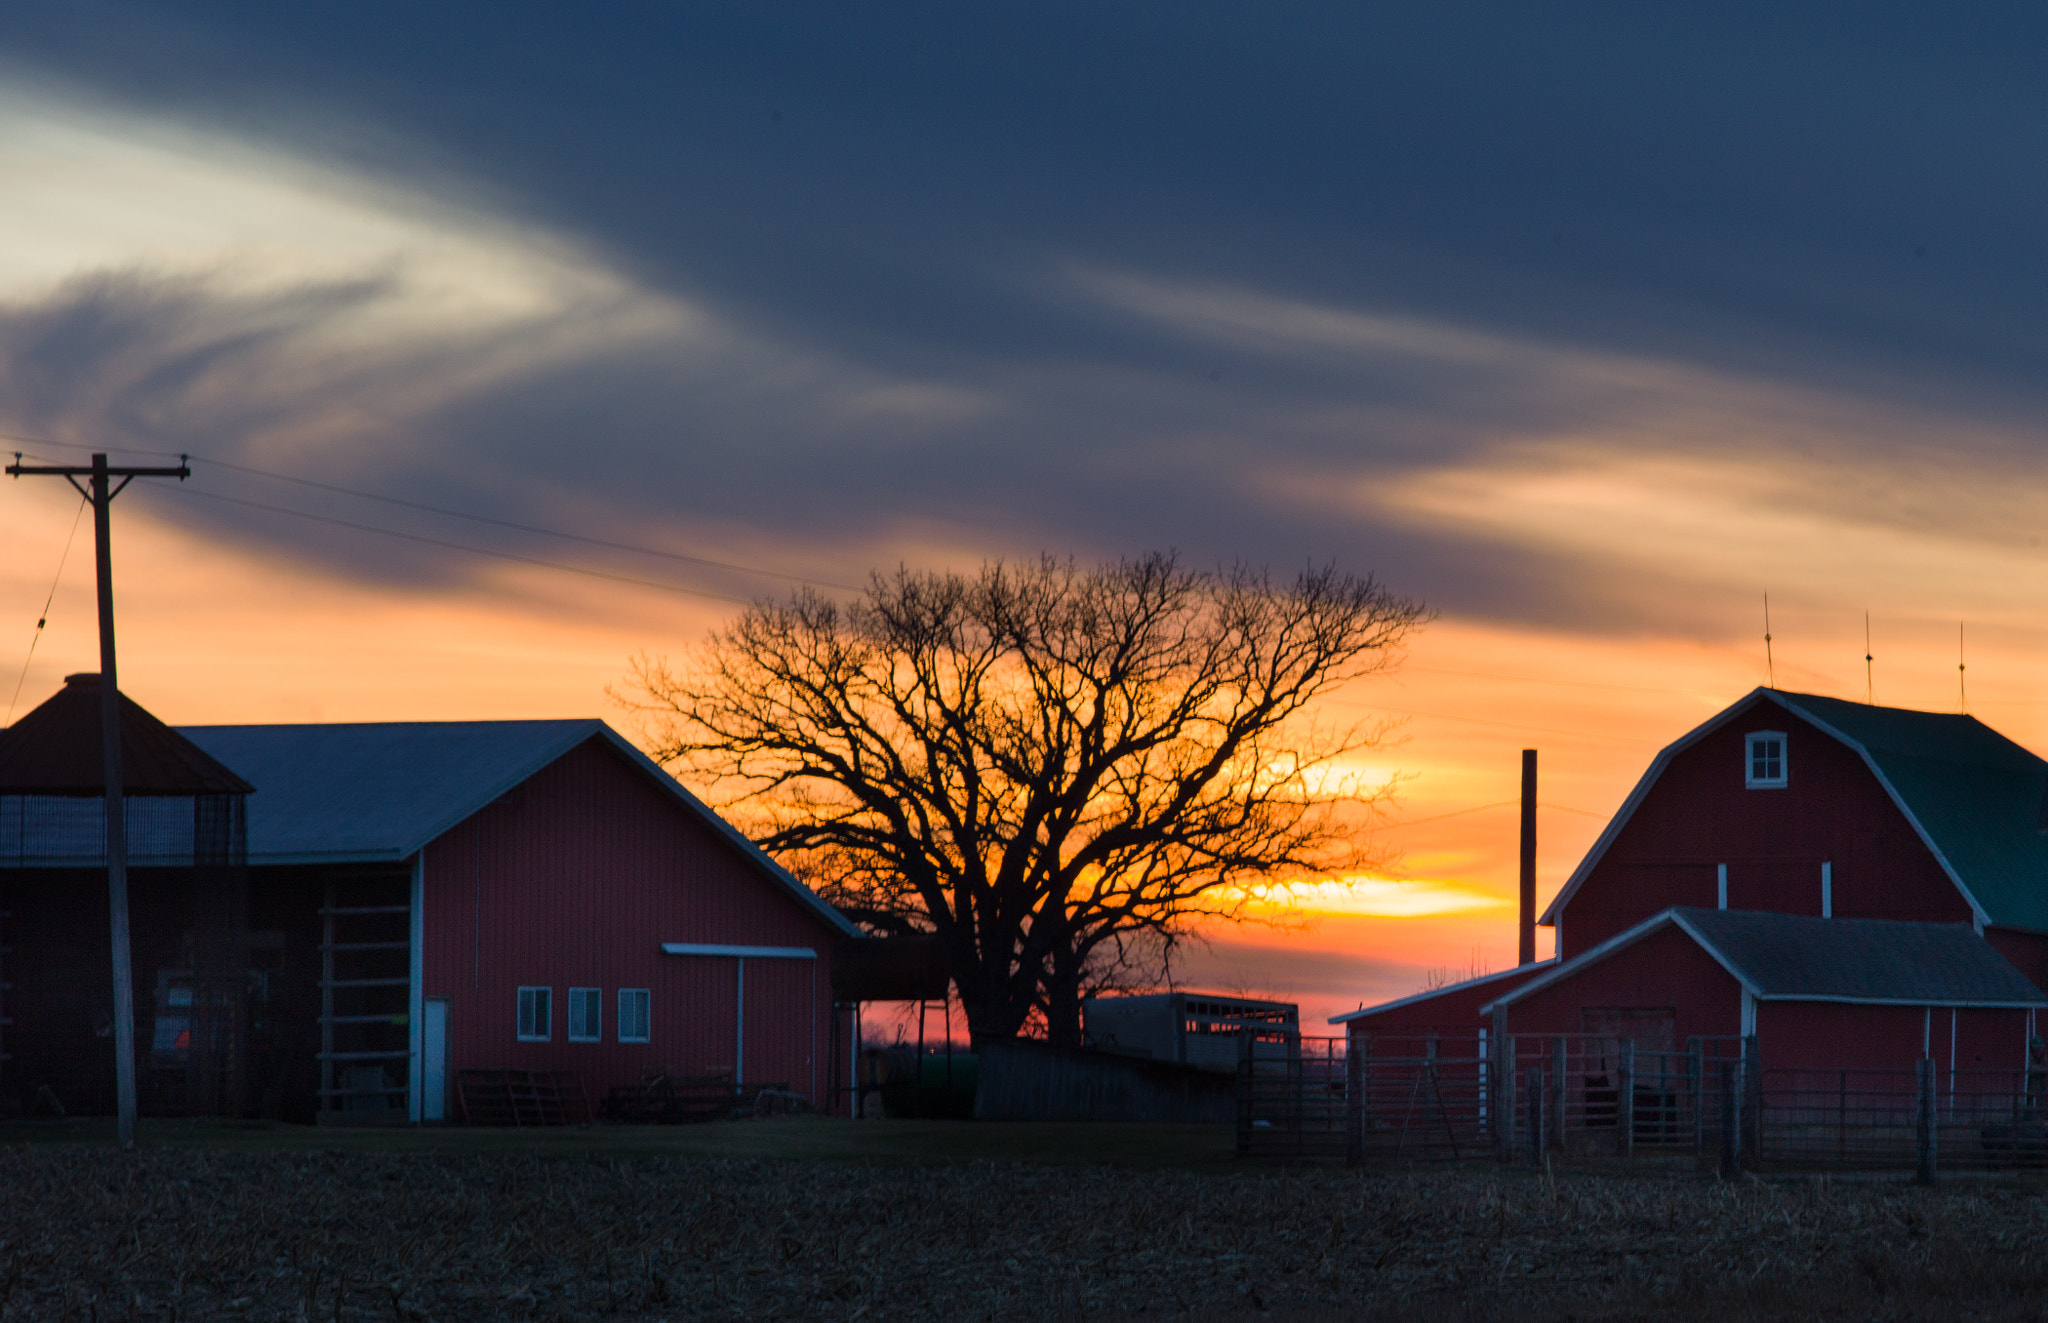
(1793,957)
(1448,989)
(55,750)
(381,791)
(1974,797)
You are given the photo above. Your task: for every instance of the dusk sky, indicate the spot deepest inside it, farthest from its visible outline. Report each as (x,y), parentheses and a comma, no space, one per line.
(1589,326)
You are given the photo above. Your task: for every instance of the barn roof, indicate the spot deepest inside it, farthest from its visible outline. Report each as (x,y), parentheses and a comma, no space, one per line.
(1974,797)
(55,750)
(381,791)
(1793,957)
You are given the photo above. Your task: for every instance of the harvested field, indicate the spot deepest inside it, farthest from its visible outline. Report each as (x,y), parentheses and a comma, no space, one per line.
(210,1232)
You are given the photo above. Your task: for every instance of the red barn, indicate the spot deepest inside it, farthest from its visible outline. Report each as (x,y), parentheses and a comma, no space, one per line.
(529,895)
(1855,885)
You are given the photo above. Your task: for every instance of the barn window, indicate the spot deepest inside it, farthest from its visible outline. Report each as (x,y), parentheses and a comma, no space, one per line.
(633,1015)
(586,1015)
(1766,766)
(536,1014)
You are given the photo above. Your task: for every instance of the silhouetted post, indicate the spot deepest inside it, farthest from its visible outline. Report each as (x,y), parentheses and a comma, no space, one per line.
(1927,1131)
(1538,1136)
(1731,1118)
(1558,1103)
(101,492)
(1528,909)
(1752,1097)
(1355,1048)
(1244,1091)
(1625,1099)
(1504,1082)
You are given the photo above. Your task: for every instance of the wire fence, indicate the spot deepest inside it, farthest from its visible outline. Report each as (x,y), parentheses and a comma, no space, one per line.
(1382,1099)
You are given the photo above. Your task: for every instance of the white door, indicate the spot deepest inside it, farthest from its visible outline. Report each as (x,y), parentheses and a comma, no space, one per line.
(434,1069)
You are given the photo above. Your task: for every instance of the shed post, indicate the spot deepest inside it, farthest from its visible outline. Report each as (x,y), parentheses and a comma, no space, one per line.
(1558,1091)
(1696,1062)
(1504,1076)
(1625,1099)
(1752,1097)
(1354,1099)
(416,993)
(1731,1115)
(1244,1091)
(1927,1128)
(1537,1134)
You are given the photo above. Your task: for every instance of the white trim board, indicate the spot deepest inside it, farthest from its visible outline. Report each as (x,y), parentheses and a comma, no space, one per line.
(739,952)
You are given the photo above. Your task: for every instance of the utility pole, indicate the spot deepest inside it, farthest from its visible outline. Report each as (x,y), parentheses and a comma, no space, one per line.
(100,490)
(1527,913)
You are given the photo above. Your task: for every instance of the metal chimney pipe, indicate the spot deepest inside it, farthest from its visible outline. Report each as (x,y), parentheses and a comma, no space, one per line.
(1528,913)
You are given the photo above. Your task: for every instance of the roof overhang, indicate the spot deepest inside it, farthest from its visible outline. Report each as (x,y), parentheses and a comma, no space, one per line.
(1447,990)
(1672,918)
(739,952)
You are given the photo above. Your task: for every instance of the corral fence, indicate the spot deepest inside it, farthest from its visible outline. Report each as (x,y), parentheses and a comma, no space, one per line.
(1378,1099)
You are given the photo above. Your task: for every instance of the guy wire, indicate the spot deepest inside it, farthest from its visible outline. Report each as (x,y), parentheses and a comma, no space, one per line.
(1770,667)
(44,618)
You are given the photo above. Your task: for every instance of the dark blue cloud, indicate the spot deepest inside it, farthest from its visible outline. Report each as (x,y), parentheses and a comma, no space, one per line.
(1845,198)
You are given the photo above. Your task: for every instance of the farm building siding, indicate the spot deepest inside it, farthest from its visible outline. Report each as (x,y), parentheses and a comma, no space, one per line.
(1453,1011)
(2027,951)
(574,879)
(1837,1036)
(1700,815)
(1665,969)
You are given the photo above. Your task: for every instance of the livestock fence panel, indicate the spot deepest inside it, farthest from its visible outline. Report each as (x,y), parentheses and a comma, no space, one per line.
(1424,1098)
(1927,1119)
(1291,1096)
(1377,1098)
(1583,1093)
(1399,1099)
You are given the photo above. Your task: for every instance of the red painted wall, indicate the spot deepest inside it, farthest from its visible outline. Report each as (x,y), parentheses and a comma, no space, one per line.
(1699,814)
(1664,969)
(2028,952)
(574,880)
(1806,1046)
(1454,1012)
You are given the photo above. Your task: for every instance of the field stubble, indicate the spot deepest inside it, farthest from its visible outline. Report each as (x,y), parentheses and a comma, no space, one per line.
(195,1232)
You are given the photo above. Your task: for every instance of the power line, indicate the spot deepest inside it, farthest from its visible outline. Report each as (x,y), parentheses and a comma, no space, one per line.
(465,547)
(44,618)
(1532,679)
(1456,813)
(1481,808)
(1481,721)
(543,531)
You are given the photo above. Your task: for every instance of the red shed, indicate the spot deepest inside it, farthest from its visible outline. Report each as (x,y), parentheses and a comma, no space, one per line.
(1847,815)
(530,895)
(1817,994)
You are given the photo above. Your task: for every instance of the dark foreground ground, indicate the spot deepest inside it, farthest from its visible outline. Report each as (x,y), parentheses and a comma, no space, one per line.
(891,1221)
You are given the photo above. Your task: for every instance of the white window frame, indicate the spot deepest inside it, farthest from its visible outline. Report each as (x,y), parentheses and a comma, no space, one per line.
(1749,760)
(544,999)
(593,1004)
(644,1014)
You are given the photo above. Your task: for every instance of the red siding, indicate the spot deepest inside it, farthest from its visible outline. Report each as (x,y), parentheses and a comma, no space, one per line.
(1667,968)
(574,880)
(2027,951)
(1454,1011)
(1699,814)
(1835,1036)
